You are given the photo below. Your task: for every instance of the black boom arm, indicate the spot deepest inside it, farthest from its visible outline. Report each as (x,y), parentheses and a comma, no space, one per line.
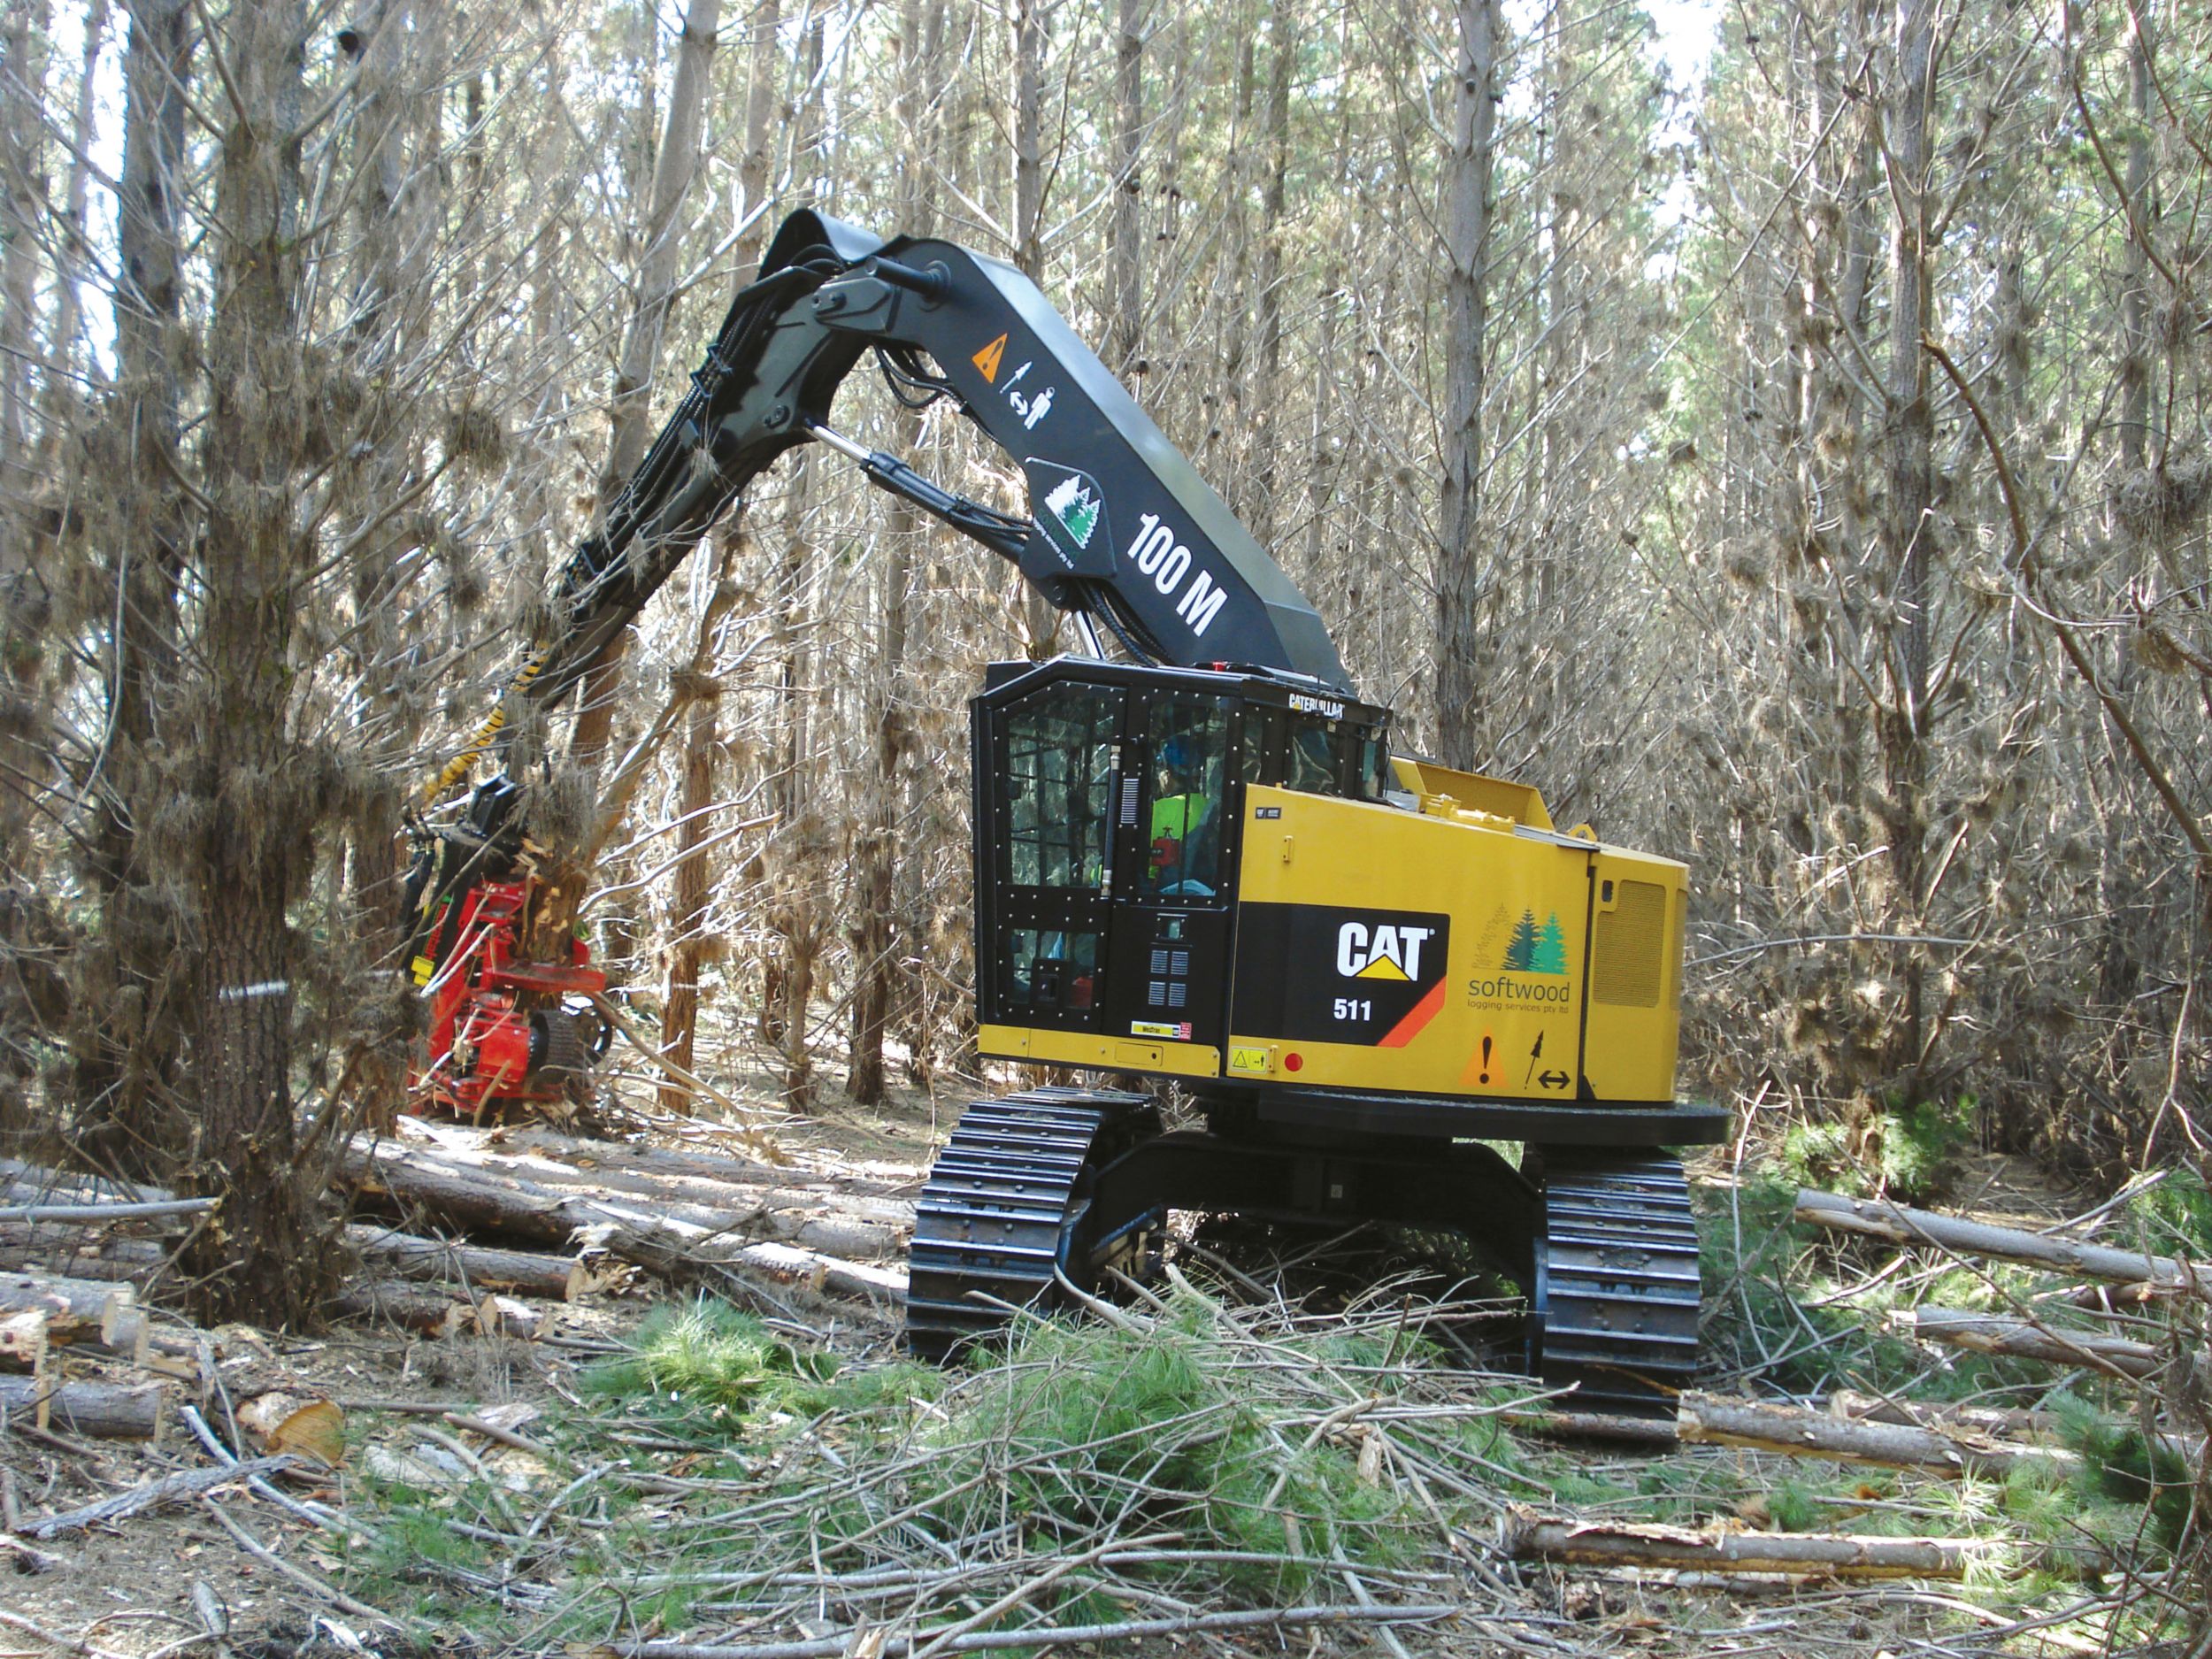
(1120,523)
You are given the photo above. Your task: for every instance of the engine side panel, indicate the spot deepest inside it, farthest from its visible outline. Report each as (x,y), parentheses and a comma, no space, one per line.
(1479,962)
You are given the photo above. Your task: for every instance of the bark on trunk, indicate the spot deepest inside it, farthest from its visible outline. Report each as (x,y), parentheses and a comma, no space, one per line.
(1909,524)
(689,947)
(554,1278)
(1706,1420)
(679,1241)
(1600,1544)
(1461,668)
(248,785)
(877,929)
(1041,621)
(125,1048)
(629,408)
(2024,1339)
(1264,448)
(76,1310)
(390,305)
(1125,332)
(559,897)
(108,1411)
(1900,1224)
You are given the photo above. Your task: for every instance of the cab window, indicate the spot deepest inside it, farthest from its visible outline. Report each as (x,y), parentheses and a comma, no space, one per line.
(1060,750)
(1313,759)
(1189,754)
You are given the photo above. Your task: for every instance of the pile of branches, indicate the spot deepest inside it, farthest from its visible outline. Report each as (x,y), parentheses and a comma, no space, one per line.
(1179,1467)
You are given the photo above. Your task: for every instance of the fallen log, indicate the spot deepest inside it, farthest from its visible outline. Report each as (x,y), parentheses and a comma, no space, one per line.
(646,1160)
(41,1246)
(709,1196)
(76,1308)
(686,1245)
(1879,1219)
(113,1411)
(1592,1425)
(791,1265)
(2000,1420)
(395,1301)
(1711,1420)
(2024,1339)
(554,1278)
(874,1196)
(864,1227)
(101,1214)
(1606,1544)
(80,1312)
(42,1179)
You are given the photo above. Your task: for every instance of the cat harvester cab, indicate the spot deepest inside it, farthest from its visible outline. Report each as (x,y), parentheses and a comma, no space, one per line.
(1197,858)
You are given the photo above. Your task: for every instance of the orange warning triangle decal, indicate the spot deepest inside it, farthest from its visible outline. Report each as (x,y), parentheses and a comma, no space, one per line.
(988,358)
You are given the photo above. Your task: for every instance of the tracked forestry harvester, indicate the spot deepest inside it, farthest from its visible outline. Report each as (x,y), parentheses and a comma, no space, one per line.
(1196,858)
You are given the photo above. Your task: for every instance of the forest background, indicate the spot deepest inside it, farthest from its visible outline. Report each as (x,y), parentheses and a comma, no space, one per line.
(1802,471)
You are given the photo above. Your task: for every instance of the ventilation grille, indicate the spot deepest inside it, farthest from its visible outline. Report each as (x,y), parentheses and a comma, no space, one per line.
(1630,948)
(1681,931)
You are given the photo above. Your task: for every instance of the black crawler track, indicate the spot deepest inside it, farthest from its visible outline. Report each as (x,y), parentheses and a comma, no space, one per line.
(1003,1204)
(1008,1210)
(1617,1281)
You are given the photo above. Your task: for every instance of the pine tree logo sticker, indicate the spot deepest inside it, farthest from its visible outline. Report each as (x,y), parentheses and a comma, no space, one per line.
(1072,502)
(1536,949)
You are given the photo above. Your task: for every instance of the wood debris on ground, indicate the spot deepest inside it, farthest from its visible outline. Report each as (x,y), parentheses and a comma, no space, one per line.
(469,1238)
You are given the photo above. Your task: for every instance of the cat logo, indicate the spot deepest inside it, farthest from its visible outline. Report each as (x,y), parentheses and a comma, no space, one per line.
(1383,952)
(1330,973)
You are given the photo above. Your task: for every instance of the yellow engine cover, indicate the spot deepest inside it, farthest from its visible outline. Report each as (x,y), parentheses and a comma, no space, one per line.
(1453,951)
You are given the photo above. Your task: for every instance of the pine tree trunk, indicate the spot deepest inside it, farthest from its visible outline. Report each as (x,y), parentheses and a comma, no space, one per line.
(1124,331)
(795,911)
(555,906)
(1041,621)
(1264,450)
(876,927)
(390,305)
(125,1041)
(1462,668)
(688,948)
(1909,524)
(762,71)
(251,793)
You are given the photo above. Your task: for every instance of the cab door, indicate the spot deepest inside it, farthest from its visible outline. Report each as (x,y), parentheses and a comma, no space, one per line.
(1049,779)
(1177,831)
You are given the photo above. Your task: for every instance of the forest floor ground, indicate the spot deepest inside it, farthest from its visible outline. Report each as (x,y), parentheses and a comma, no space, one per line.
(663,1448)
